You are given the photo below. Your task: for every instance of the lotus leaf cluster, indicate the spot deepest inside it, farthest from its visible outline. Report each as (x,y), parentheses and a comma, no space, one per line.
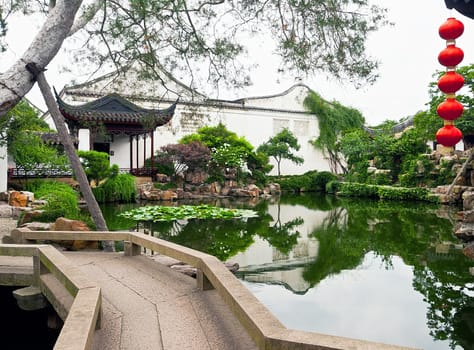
(184,212)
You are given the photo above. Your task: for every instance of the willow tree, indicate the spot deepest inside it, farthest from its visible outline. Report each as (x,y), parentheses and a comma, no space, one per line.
(334,119)
(189,37)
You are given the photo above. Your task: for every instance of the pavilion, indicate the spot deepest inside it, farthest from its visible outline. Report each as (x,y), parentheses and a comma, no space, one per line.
(113,115)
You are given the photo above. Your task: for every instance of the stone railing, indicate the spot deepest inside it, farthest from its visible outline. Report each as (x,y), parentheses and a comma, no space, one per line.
(75,299)
(267,331)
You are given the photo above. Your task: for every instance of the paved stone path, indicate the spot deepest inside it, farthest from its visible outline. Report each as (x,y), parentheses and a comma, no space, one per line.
(147,305)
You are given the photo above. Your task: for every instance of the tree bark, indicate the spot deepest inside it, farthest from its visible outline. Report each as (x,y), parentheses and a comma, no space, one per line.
(70,150)
(16,81)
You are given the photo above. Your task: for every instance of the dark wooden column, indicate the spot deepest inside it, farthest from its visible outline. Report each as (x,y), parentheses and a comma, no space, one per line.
(152,148)
(144,149)
(137,149)
(130,141)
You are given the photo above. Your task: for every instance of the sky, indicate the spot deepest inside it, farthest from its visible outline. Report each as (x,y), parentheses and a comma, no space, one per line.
(407,53)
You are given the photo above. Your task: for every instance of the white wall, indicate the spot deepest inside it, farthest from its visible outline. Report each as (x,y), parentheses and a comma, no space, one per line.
(3,168)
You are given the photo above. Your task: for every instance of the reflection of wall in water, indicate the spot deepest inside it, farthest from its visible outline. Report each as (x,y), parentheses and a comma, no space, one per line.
(283,268)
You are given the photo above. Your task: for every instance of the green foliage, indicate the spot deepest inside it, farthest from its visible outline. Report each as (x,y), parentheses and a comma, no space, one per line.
(61,200)
(258,166)
(387,150)
(334,120)
(280,147)
(161,163)
(185,212)
(421,171)
(352,189)
(21,131)
(22,118)
(466,96)
(311,181)
(96,165)
(230,152)
(30,153)
(119,188)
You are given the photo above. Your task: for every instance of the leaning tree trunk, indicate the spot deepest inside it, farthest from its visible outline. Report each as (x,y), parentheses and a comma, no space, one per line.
(76,165)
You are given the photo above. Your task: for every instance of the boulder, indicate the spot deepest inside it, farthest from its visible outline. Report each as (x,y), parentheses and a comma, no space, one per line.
(168,195)
(469,251)
(20,199)
(253,190)
(468,200)
(63,224)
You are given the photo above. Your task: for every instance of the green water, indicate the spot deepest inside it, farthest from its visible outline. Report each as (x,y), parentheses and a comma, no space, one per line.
(381,271)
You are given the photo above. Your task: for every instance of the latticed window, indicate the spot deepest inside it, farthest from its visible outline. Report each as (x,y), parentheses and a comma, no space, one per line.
(280,124)
(301,127)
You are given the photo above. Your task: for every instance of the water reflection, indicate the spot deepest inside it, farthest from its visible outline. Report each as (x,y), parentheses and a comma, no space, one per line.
(373,270)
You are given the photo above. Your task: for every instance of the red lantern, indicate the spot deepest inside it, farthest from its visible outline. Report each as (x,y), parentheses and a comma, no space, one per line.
(451,56)
(448,135)
(450,109)
(450,82)
(451,29)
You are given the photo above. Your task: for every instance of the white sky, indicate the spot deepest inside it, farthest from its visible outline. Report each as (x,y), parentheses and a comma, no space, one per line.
(407,52)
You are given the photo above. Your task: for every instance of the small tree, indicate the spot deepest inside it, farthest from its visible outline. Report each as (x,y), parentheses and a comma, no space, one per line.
(186,157)
(280,147)
(228,150)
(96,165)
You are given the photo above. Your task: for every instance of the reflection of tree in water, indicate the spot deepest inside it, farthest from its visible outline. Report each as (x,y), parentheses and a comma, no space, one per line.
(226,238)
(445,285)
(218,237)
(410,232)
(282,236)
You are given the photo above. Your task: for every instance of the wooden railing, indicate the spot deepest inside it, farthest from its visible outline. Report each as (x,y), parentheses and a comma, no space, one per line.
(75,299)
(267,331)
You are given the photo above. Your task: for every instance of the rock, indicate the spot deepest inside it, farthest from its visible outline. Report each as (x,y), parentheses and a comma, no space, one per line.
(168,195)
(468,200)
(468,216)
(63,224)
(38,226)
(18,199)
(465,232)
(162,178)
(4,196)
(469,251)
(29,217)
(197,177)
(215,188)
(6,211)
(153,195)
(253,190)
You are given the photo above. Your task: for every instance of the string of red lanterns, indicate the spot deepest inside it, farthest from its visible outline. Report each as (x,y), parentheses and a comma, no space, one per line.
(450,83)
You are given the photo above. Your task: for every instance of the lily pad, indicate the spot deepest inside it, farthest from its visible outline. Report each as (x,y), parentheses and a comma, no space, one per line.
(203,211)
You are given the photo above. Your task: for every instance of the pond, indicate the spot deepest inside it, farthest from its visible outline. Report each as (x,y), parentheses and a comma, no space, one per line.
(381,271)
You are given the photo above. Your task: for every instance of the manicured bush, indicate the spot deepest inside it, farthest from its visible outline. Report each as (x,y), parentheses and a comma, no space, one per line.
(311,181)
(351,189)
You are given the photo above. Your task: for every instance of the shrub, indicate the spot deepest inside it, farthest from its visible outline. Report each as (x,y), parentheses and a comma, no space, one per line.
(352,189)
(319,180)
(311,181)
(61,200)
(119,188)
